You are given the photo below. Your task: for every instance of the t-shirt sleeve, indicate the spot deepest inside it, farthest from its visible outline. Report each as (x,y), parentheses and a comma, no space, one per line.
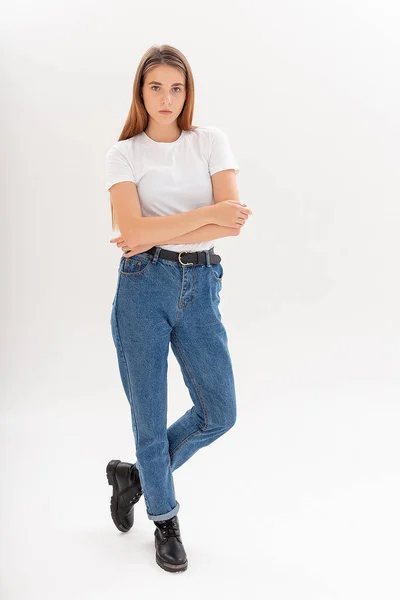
(118,168)
(221,155)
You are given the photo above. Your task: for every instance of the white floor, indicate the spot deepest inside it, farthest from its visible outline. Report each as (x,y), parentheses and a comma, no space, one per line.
(298,501)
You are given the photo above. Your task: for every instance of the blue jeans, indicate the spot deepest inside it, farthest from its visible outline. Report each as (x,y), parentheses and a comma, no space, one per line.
(158,302)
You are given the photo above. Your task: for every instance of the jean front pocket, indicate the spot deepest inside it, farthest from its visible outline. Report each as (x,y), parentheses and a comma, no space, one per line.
(217,271)
(135,265)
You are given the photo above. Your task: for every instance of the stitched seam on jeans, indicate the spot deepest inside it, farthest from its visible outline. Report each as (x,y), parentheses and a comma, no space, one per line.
(130,395)
(192,299)
(214,276)
(135,273)
(193,381)
(172,452)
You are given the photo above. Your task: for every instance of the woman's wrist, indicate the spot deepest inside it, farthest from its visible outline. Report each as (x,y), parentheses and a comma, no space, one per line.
(207,215)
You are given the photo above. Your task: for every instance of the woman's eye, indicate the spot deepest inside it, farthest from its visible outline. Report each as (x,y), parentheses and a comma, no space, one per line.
(157,86)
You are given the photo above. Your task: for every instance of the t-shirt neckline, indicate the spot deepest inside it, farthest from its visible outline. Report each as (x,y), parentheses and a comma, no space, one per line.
(166,144)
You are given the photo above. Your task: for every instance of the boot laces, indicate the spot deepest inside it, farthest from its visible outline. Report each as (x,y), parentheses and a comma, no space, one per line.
(169,527)
(135,482)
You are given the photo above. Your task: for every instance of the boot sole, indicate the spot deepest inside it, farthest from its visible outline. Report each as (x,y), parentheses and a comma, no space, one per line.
(170,566)
(110,472)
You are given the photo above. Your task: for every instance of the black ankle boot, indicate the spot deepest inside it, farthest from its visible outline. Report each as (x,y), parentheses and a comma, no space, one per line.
(170,553)
(127,490)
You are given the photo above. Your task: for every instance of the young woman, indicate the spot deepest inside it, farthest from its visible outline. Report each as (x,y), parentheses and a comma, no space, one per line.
(173,192)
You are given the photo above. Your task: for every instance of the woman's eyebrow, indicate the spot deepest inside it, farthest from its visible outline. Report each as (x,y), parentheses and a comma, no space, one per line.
(159,83)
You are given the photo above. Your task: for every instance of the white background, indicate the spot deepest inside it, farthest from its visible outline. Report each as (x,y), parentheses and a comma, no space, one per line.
(300,499)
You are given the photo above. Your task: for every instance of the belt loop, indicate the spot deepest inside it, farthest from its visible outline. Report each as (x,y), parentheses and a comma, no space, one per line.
(207,258)
(156,253)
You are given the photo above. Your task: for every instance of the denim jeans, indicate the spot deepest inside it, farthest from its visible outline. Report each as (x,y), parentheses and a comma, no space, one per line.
(158,302)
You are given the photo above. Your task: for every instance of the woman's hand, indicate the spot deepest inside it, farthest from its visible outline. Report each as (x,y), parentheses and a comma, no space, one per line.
(126,250)
(231,213)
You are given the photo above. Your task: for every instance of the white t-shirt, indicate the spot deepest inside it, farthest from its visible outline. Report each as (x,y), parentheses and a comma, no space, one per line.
(172,177)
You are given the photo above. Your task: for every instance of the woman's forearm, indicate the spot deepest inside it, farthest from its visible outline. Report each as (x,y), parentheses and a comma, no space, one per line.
(145,230)
(202,234)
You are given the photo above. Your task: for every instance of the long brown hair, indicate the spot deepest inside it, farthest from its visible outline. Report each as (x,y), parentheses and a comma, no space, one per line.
(137,119)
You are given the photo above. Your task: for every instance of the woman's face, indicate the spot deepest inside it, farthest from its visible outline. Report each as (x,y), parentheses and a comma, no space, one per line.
(164,89)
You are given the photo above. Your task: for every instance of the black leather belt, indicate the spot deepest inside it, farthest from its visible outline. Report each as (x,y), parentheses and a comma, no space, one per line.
(191,258)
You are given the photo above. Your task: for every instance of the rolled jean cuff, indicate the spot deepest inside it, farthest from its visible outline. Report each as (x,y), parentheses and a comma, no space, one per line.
(165,516)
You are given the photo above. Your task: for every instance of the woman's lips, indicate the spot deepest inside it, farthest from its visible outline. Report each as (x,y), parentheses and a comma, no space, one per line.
(165,112)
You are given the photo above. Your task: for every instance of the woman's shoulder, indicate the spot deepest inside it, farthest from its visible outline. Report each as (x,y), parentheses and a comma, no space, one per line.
(206,133)
(122,147)
(201,129)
